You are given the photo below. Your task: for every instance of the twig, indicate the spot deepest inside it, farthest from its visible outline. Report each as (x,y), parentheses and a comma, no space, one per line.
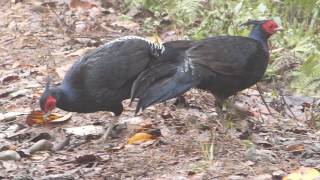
(288,107)
(263,100)
(61,22)
(313,116)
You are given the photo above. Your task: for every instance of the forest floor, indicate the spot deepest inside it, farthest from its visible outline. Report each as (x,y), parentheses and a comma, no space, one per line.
(37,40)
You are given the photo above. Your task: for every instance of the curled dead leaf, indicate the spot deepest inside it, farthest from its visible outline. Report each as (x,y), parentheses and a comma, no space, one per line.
(9,78)
(37,117)
(141,137)
(61,118)
(303,173)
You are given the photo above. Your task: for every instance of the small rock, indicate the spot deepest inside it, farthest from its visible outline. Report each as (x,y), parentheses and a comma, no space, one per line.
(134,120)
(61,144)
(13,26)
(9,155)
(12,129)
(80,26)
(85,130)
(133,11)
(87,41)
(263,177)
(235,177)
(42,145)
(255,155)
(10,116)
(22,177)
(58,177)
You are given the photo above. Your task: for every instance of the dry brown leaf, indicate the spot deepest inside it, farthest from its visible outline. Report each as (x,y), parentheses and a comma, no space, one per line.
(295,148)
(303,173)
(87,158)
(9,78)
(61,118)
(77,4)
(141,137)
(37,117)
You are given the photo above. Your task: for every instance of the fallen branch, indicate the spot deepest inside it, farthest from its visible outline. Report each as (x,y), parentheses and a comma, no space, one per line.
(263,100)
(287,105)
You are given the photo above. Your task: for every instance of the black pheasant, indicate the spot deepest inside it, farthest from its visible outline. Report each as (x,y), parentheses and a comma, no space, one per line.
(222,65)
(102,79)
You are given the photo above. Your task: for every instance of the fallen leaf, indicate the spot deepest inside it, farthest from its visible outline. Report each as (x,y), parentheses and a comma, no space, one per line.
(303,173)
(9,78)
(86,159)
(39,157)
(19,93)
(5,93)
(37,117)
(82,5)
(141,137)
(295,148)
(12,129)
(61,118)
(10,115)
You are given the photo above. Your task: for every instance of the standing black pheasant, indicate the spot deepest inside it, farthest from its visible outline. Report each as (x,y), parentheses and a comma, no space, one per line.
(222,65)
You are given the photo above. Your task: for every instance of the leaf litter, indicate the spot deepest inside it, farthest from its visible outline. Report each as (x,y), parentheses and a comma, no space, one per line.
(41,38)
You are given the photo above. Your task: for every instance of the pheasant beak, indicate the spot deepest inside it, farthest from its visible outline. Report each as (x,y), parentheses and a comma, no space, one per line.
(280,28)
(46,116)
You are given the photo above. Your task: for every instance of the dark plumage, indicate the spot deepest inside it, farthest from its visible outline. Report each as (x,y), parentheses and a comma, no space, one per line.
(222,65)
(102,79)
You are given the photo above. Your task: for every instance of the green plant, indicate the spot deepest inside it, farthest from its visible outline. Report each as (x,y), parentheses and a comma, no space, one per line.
(306,79)
(208,150)
(199,19)
(182,12)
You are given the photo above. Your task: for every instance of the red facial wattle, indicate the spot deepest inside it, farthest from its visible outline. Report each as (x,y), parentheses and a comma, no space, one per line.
(270,27)
(50,104)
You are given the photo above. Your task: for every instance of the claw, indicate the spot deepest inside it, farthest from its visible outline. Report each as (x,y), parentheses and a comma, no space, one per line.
(105,136)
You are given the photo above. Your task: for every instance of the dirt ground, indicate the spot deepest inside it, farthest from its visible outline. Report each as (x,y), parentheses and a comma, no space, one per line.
(37,40)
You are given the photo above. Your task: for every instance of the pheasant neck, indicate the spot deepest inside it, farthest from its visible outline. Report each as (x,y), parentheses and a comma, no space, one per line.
(258,34)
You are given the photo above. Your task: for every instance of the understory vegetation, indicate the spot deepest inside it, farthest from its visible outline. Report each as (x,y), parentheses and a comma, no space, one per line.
(296,50)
